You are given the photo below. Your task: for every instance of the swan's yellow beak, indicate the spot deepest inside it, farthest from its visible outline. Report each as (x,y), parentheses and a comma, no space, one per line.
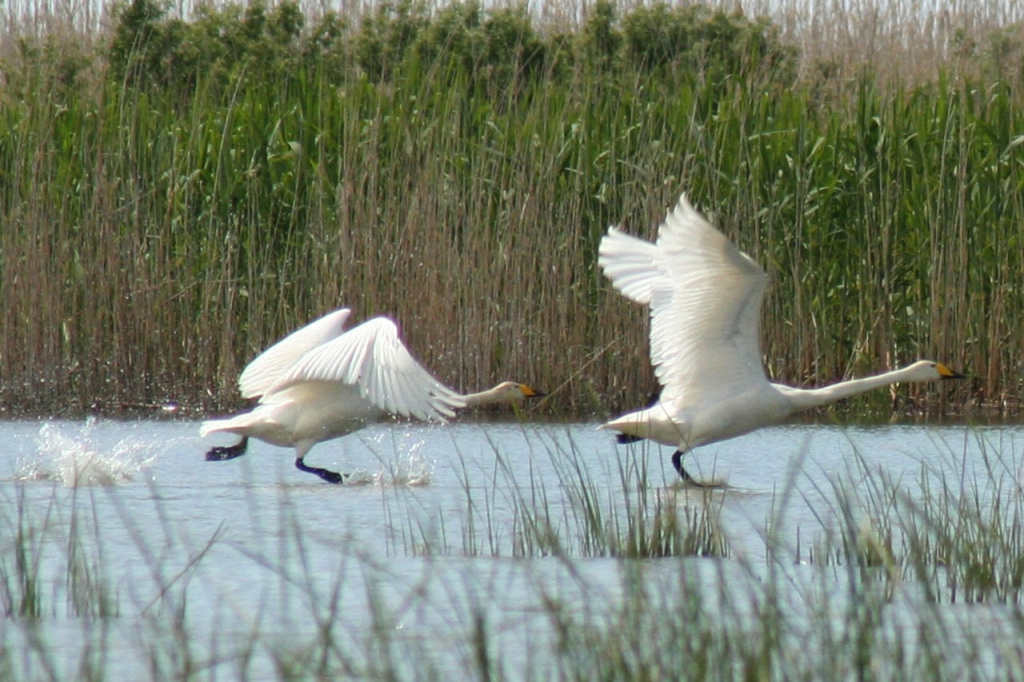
(946,372)
(529,392)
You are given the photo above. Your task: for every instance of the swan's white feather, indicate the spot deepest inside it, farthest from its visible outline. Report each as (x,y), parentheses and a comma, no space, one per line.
(267,368)
(371,357)
(705,297)
(699,349)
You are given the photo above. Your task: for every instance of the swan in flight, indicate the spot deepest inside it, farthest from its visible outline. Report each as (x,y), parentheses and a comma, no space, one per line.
(704,296)
(322,382)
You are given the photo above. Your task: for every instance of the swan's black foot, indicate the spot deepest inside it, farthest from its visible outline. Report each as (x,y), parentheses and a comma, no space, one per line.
(225,452)
(329,476)
(686,478)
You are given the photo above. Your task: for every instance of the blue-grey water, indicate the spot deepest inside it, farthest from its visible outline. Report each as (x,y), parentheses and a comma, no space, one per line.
(147,561)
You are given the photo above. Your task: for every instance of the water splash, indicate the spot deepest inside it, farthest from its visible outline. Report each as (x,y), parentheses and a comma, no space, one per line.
(410,470)
(74,459)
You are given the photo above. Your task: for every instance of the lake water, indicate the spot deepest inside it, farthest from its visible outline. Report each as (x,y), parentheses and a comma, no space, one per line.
(251,568)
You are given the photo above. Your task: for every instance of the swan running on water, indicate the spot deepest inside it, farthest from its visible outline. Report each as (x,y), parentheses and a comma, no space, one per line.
(322,382)
(705,297)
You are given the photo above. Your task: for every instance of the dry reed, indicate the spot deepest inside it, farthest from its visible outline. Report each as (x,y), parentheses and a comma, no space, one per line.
(154,238)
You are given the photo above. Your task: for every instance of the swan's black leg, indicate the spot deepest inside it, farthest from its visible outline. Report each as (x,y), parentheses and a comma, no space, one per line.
(224,452)
(677,462)
(329,476)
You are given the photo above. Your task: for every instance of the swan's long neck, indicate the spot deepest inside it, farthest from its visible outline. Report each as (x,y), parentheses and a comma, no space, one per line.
(809,398)
(491,395)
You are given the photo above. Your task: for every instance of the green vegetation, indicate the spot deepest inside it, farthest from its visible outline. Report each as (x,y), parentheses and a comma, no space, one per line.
(179,192)
(646,522)
(109,585)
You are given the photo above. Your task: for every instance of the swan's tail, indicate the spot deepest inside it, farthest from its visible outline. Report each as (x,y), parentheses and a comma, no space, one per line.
(237,424)
(212,426)
(628,426)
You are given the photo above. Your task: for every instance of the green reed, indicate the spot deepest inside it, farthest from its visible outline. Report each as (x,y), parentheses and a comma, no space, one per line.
(848,613)
(956,536)
(170,208)
(520,514)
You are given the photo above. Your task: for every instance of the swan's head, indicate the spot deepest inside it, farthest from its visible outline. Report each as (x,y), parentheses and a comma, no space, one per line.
(505,392)
(929,370)
(511,391)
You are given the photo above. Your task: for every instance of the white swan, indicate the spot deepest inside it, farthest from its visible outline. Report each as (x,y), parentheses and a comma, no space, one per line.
(322,382)
(705,305)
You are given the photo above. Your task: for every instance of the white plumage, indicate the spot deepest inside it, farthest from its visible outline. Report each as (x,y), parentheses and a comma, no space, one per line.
(322,382)
(704,297)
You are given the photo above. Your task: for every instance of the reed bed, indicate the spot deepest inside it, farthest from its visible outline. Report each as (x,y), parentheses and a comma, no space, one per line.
(179,190)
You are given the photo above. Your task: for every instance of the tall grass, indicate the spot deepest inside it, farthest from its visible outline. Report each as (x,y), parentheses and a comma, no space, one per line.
(165,217)
(569,516)
(30,586)
(880,599)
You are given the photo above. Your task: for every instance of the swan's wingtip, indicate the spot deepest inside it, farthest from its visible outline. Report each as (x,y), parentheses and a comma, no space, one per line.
(684,202)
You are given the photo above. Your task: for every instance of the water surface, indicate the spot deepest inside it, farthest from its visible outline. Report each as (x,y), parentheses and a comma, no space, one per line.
(240,567)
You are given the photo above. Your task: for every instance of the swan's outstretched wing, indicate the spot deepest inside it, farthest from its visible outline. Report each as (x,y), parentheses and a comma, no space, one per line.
(632,264)
(705,300)
(372,357)
(270,365)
